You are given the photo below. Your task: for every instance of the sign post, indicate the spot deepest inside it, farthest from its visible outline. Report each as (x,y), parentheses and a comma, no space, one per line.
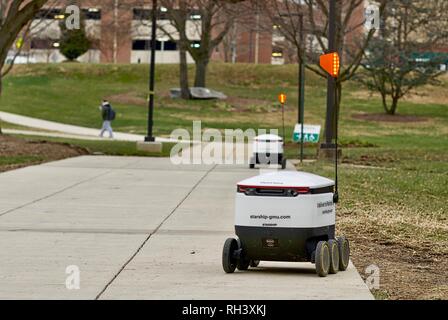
(282,100)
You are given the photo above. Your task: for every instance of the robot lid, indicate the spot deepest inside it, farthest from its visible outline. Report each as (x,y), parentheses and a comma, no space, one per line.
(268,138)
(287,179)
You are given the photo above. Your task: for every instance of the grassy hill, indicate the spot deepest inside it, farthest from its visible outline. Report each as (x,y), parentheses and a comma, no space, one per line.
(71,93)
(394,172)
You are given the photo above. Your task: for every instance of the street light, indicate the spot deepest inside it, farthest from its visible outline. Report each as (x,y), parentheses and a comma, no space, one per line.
(149,137)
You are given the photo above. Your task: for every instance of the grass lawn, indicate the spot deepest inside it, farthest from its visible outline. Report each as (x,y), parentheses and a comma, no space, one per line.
(393,174)
(19,160)
(106,147)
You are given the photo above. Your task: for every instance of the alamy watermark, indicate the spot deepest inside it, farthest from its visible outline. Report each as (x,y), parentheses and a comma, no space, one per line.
(229,146)
(372,17)
(372,273)
(73,17)
(73,279)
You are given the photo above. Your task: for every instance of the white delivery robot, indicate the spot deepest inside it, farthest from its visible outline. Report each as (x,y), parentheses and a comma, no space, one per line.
(286,216)
(267,149)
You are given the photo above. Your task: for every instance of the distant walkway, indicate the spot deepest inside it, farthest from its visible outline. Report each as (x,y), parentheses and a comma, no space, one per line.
(52,134)
(65,130)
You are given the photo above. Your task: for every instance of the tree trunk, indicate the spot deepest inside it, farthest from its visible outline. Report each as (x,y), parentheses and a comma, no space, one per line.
(183,78)
(201,72)
(384,101)
(393,107)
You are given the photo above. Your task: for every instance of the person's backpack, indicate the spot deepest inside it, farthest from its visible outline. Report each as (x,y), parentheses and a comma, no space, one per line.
(112,114)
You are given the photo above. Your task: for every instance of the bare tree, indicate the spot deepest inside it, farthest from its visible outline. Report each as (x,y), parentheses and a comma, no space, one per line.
(198,27)
(32,29)
(216,18)
(404,55)
(285,14)
(179,19)
(14,16)
(229,44)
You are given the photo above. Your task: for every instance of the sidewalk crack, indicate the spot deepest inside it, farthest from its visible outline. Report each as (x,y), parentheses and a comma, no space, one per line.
(152,233)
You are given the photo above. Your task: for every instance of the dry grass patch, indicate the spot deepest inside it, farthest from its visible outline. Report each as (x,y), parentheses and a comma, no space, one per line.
(410,248)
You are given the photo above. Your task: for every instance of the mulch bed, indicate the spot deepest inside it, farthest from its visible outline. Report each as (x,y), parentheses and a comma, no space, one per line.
(42,151)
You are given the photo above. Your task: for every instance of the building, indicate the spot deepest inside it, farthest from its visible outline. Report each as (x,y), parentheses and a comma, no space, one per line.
(120,33)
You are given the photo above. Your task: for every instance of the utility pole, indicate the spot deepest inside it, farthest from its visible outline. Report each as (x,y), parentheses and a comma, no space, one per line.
(301,93)
(149,137)
(331,82)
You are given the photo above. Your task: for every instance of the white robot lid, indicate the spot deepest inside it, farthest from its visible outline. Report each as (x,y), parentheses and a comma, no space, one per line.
(282,179)
(268,137)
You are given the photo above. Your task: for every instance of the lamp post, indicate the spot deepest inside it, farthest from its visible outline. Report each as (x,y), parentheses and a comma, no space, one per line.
(149,137)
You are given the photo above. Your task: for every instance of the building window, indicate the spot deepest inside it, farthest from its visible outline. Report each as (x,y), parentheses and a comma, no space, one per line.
(146,14)
(49,14)
(170,46)
(42,44)
(59,14)
(92,14)
(195,15)
(195,44)
(140,45)
(277,52)
(141,14)
(145,45)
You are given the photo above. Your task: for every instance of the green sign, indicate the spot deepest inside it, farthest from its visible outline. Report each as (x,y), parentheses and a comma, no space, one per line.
(311,133)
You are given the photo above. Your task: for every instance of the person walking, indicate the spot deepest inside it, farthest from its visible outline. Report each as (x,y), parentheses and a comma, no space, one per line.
(108,115)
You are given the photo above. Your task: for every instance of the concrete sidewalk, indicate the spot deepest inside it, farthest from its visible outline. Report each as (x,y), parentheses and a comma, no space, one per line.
(137,228)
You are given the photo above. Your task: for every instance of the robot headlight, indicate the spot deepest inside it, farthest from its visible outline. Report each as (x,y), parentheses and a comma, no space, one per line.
(272,191)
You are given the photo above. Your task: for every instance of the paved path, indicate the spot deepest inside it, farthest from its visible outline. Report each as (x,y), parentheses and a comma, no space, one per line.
(53,134)
(137,228)
(64,130)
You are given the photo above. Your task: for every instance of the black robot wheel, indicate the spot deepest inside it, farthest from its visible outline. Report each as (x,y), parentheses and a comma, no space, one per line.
(322,257)
(228,259)
(334,256)
(344,253)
